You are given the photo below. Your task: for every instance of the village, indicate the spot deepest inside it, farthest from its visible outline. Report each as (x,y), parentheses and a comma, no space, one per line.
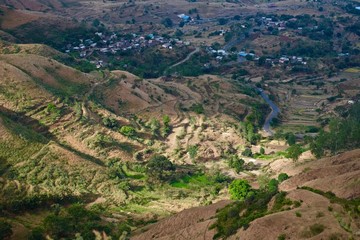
(234,30)
(103,44)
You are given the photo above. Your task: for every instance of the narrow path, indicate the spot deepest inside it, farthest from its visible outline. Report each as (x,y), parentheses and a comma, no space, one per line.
(85,106)
(273,114)
(197,49)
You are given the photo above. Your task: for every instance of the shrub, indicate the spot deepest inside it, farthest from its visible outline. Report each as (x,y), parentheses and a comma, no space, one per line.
(240,189)
(192,150)
(316,229)
(37,234)
(159,167)
(236,163)
(167,22)
(197,108)
(290,139)
(5,230)
(273,185)
(127,131)
(282,177)
(247,152)
(298,214)
(319,214)
(294,152)
(110,122)
(281,237)
(262,151)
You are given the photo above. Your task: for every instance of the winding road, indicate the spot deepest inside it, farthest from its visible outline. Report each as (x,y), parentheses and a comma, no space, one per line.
(273,114)
(197,49)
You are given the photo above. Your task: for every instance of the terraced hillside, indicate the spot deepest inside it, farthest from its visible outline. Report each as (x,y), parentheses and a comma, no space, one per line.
(69,136)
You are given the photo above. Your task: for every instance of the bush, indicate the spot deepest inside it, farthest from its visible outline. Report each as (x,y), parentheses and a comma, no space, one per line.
(273,186)
(110,122)
(240,189)
(236,163)
(197,108)
(159,167)
(253,207)
(193,150)
(247,152)
(262,151)
(315,229)
(167,22)
(37,234)
(127,131)
(5,230)
(75,219)
(282,177)
(290,139)
(281,237)
(294,152)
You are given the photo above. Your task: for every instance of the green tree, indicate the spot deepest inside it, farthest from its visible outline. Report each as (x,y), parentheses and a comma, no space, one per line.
(167,22)
(282,177)
(262,61)
(290,139)
(57,226)
(223,21)
(154,126)
(5,230)
(197,108)
(110,122)
(247,152)
(236,163)
(37,234)
(262,151)
(159,167)
(272,186)
(250,134)
(294,152)
(240,189)
(166,129)
(193,150)
(127,131)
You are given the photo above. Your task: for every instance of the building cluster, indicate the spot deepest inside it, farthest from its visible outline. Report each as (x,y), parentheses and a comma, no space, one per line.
(113,44)
(269,22)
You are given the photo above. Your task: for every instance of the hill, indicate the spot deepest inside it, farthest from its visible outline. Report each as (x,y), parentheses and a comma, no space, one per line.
(317,216)
(64,139)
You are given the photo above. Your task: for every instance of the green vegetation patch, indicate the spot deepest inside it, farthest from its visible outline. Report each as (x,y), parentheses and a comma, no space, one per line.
(189,181)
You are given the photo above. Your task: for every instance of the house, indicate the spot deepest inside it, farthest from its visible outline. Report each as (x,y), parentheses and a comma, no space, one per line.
(166,45)
(104,50)
(242,54)
(284,60)
(221,52)
(184,17)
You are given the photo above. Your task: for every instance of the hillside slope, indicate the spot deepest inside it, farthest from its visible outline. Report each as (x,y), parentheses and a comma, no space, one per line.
(293,223)
(62,137)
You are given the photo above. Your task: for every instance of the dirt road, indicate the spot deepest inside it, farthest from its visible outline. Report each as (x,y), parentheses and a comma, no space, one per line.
(185,59)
